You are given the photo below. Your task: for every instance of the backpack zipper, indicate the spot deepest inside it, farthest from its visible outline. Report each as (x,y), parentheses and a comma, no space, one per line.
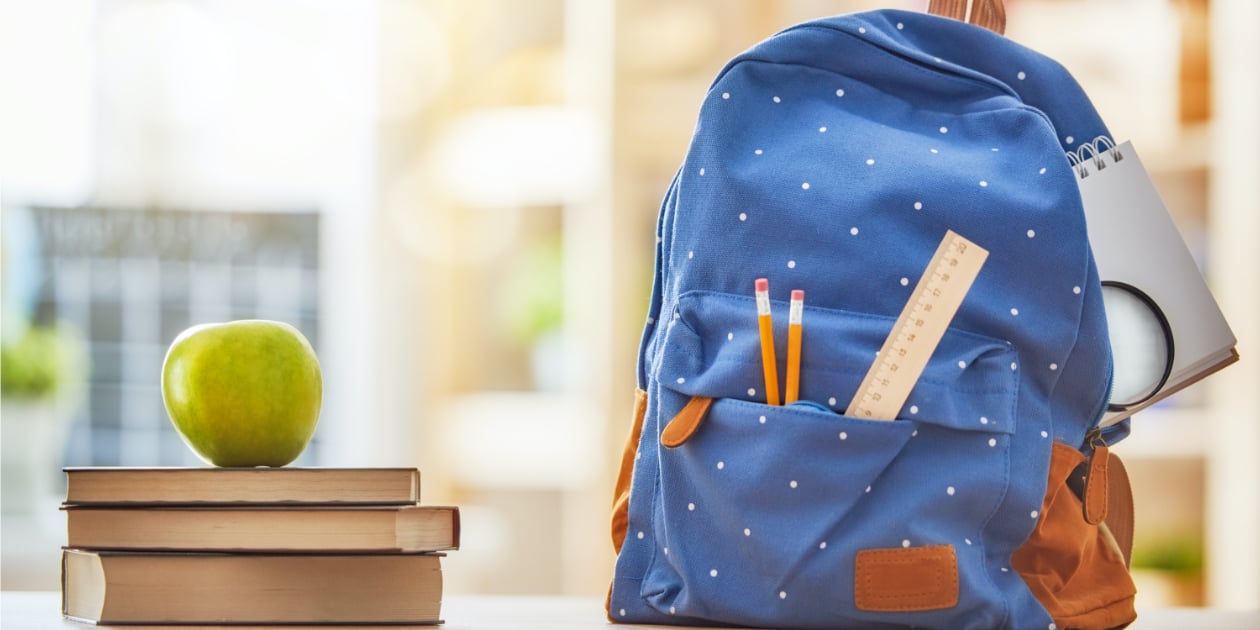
(923,61)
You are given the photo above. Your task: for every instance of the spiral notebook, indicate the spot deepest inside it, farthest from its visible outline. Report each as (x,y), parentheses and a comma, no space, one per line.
(1136,243)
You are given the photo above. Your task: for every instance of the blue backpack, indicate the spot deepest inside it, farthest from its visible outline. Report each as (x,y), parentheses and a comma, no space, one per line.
(832,158)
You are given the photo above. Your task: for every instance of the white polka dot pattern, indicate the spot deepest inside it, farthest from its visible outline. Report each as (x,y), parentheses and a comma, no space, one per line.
(823,173)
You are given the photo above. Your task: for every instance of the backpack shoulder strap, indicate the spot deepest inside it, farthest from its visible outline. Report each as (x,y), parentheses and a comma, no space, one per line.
(990,14)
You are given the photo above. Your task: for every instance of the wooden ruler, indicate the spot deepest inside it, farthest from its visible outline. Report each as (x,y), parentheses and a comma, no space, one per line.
(919,329)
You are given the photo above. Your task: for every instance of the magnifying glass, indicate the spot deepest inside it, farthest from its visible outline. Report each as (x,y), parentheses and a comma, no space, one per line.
(1141,345)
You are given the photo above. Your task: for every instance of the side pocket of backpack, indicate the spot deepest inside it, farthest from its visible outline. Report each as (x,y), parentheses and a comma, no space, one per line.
(1073,567)
(621,494)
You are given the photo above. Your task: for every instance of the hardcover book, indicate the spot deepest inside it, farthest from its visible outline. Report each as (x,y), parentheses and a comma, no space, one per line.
(236,486)
(175,588)
(406,529)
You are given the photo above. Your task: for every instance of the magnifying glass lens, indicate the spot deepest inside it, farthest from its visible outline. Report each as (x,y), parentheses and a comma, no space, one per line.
(1141,345)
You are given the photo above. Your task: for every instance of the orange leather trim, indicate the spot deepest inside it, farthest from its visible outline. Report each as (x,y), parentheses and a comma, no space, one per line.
(686,423)
(621,494)
(1097,486)
(1120,507)
(904,579)
(955,9)
(608,605)
(990,14)
(1070,565)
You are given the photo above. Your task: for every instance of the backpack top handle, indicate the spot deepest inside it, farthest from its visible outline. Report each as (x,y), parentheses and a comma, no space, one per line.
(990,14)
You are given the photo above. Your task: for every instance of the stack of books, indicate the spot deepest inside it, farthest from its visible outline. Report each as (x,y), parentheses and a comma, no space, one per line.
(253,546)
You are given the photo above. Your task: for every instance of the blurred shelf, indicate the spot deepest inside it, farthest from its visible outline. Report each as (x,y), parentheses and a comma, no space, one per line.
(1192,151)
(522,440)
(1167,432)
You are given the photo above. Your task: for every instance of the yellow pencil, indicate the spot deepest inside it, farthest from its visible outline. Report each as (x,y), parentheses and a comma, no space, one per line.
(769,365)
(795,312)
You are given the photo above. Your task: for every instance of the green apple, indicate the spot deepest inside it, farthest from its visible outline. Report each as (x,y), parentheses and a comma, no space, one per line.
(243,393)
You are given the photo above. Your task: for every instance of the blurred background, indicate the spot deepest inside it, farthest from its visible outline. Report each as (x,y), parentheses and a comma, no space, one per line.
(455,200)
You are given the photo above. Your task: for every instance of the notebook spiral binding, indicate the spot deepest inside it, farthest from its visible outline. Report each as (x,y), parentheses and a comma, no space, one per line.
(1094,151)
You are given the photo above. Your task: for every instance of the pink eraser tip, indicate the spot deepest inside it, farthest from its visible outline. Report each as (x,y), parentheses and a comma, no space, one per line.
(798,295)
(763,284)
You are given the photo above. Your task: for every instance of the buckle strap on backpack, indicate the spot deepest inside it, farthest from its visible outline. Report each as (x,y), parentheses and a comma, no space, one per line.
(686,423)
(1095,499)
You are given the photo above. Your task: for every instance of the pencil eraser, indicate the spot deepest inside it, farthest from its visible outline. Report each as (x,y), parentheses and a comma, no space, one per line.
(798,295)
(763,284)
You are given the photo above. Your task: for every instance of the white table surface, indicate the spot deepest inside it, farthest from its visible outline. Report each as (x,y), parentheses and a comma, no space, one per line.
(36,610)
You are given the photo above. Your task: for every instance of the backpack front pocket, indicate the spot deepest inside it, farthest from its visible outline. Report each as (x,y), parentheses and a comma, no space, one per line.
(761,512)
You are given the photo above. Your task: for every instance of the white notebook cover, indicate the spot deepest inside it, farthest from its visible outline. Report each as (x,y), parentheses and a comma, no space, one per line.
(1136,242)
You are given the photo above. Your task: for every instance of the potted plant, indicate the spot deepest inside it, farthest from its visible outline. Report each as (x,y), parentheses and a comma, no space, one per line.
(1169,570)
(532,312)
(42,371)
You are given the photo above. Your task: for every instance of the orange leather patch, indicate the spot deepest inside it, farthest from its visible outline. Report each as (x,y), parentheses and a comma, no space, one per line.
(1097,486)
(1071,566)
(686,423)
(904,579)
(621,494)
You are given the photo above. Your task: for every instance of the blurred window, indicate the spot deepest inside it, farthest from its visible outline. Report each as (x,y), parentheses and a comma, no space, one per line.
(131,280)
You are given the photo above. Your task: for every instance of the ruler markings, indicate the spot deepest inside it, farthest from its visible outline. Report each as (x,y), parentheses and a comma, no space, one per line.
(919,329)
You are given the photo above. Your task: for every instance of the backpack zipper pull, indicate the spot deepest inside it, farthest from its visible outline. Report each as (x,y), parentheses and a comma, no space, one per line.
(1094,498)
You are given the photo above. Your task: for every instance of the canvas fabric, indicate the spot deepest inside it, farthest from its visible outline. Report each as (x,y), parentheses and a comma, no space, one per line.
(832,158)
